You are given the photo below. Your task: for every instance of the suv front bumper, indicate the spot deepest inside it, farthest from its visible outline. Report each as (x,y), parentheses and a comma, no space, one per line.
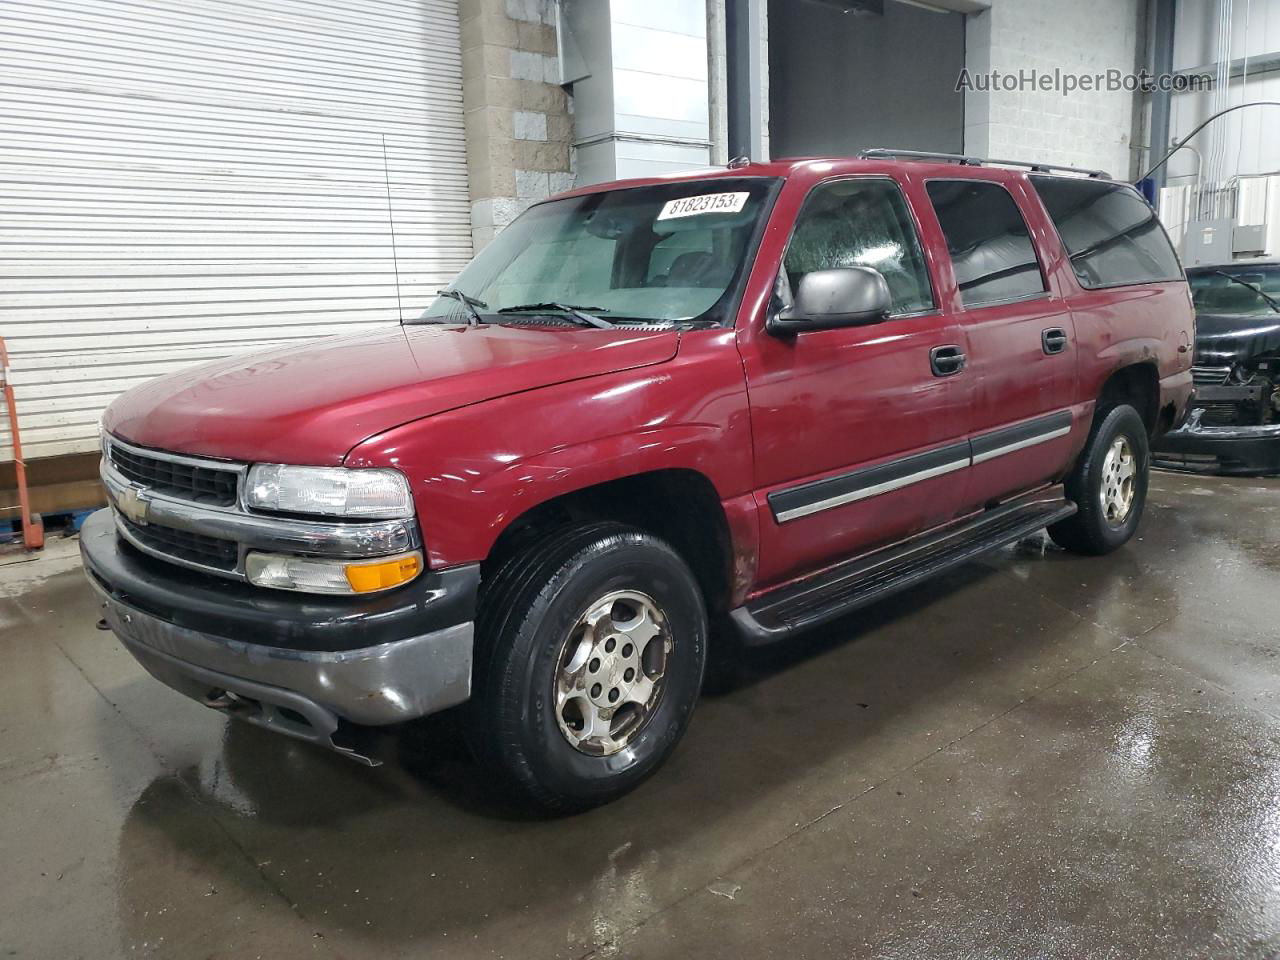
(295,663)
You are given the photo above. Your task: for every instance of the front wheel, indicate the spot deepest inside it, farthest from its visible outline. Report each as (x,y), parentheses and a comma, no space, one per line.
(591,647)
(1108,485)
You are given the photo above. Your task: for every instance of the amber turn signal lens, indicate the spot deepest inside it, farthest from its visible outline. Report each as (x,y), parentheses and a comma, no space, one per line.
(368,577)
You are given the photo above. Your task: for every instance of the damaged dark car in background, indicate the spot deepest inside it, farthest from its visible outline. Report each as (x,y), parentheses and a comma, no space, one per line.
(1234,424)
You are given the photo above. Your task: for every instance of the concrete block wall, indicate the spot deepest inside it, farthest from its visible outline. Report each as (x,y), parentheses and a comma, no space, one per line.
(1087,128)
(518,118)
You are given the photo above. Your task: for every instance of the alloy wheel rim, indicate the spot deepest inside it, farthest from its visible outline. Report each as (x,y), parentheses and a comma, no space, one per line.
(1119,473)
(611,672)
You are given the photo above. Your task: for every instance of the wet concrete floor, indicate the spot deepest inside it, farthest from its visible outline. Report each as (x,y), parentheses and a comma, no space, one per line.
(1039,756)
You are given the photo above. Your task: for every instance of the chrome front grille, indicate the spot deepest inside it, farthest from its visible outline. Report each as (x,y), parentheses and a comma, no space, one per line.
(1210,376)
(154,491)
(187,510)
(187,478)
(191,548)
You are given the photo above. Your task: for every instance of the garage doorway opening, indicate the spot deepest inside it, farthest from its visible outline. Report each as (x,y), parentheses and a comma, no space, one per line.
(845,75)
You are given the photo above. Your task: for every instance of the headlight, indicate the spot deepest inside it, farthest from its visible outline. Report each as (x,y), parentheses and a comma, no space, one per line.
(313,575)
(362,494)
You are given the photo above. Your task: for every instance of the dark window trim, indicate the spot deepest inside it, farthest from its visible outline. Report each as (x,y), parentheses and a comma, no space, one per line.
(931,312)
(1127,283)
(1045,293)
(1025,298)
(936,308)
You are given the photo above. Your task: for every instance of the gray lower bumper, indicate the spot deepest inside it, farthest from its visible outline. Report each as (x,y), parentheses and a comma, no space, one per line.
(1246,451)
(302,693)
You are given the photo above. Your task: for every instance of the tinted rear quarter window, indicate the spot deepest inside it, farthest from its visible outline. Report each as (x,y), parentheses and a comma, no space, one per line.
(1111,233)
(987,238)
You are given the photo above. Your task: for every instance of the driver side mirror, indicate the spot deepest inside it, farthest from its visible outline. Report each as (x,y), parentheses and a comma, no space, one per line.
(827,299)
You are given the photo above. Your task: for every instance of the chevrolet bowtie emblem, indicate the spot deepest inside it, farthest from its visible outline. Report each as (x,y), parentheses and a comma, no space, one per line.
(133,504)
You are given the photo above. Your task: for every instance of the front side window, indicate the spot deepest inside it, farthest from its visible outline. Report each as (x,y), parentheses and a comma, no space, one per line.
(991,250)
(1111,233)
(861,223)
(672,252)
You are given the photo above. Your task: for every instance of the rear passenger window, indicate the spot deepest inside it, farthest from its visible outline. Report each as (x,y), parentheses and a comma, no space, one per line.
(1111,233)
(861,223)
(987,237)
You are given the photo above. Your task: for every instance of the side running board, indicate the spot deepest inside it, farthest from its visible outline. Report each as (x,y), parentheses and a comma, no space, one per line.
(865,579)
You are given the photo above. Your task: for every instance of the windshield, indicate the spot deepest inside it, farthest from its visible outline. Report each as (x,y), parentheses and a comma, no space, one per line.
(1227,289)
(673,252)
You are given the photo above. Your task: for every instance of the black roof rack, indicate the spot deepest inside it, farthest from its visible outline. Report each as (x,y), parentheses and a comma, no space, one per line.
(884,153)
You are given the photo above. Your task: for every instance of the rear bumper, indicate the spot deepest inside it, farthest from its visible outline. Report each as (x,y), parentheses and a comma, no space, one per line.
(1235,450)
(296,664)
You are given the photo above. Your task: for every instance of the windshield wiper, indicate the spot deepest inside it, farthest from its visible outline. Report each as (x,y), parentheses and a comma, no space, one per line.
(577,313)
(1272,302)
(468,303)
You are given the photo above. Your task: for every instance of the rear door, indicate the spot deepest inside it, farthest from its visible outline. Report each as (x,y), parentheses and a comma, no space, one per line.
(1021,349)
(857,441)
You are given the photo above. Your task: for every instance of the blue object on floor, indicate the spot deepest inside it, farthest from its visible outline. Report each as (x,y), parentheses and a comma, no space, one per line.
(76,520)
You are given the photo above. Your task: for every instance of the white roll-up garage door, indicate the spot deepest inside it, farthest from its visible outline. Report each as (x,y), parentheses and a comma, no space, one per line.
(181,181)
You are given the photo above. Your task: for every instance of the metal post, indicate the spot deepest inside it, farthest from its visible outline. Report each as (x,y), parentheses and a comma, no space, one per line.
(745,21)
(1166,12)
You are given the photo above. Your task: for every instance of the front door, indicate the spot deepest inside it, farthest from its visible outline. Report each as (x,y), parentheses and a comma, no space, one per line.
(858,440)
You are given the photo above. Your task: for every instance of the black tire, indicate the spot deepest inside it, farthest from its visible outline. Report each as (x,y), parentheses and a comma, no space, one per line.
(527,611)
(1091,531)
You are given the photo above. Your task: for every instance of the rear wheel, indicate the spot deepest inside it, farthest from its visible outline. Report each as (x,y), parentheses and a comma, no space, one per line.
(1108,485)
(591,647)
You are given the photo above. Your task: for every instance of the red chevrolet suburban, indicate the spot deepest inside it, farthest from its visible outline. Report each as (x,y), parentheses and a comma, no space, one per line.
(650,415)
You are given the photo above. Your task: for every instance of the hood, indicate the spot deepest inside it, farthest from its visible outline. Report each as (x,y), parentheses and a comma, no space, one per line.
(1225,339)
(312,403)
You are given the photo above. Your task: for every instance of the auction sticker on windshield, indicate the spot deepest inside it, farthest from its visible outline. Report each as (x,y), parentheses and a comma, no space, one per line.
(705,203)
